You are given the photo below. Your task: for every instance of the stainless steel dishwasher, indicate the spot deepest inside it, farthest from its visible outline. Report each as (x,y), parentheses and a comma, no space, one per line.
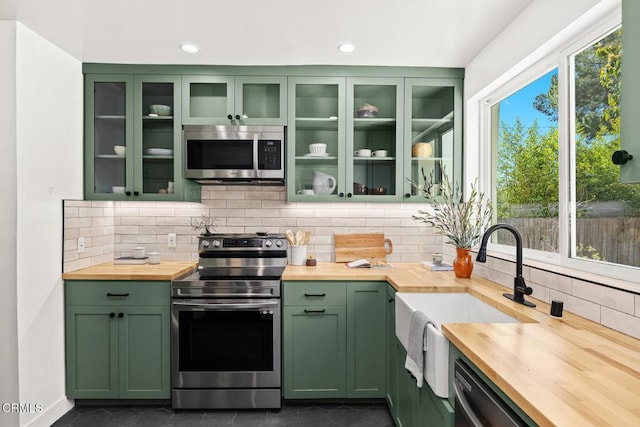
(477,405)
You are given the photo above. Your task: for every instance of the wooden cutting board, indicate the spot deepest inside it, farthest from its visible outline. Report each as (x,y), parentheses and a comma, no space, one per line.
(350,247)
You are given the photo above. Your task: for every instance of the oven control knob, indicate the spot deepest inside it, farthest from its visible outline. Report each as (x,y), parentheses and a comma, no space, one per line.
(268,243)
(216,243)
(205,243)
(279,243)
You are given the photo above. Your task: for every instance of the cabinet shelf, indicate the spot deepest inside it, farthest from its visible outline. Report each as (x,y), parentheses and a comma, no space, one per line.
(372,123)
(109,156)
(150,157)
(315,123)
(316,159)
(157,118)
(373,159)
(109,117)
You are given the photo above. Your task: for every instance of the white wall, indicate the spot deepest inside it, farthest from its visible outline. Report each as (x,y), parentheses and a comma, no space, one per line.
(49,111)
(8,190)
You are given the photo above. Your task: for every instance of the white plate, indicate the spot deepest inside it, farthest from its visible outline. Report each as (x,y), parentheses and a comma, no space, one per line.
(159,152)
(317,155)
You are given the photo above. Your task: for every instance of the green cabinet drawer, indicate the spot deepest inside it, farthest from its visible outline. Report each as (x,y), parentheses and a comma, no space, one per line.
(314,293)
(120,293)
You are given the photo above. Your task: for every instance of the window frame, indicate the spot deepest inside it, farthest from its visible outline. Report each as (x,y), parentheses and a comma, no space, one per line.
(560,54)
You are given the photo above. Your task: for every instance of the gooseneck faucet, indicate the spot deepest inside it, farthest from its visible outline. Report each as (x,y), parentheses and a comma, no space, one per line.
(520,288)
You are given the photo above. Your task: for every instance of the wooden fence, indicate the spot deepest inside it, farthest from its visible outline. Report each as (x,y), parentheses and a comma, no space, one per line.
(615,240)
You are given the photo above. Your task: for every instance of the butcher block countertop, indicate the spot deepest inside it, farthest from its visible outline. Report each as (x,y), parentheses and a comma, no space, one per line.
(109,271)
(561,372)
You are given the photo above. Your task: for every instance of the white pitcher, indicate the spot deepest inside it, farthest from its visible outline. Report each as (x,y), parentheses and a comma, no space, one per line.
(323,183)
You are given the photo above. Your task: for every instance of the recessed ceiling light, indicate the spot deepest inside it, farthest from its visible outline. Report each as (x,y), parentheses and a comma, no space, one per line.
(346,48)
(189,48)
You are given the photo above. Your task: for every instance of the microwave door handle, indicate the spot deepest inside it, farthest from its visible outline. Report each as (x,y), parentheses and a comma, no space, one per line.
(255,155)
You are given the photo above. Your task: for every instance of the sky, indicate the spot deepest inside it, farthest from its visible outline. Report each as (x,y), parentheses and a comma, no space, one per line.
(520,104)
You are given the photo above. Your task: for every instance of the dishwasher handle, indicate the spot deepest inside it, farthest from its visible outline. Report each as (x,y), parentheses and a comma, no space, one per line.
(465,408)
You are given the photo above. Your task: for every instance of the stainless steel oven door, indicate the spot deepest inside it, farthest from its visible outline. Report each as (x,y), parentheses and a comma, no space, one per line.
(225,343)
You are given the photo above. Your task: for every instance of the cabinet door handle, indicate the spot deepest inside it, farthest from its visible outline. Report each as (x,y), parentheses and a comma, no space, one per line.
(315,295)
(407,195)
(229,116)
(237,116)
(112,315)
(120,315)
(109,294)
(136,193)
(341,195)
(128,193)
(391,300)
(349,194)
(314,311)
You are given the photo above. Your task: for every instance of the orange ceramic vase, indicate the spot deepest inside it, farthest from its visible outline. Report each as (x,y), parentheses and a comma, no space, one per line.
(463,264)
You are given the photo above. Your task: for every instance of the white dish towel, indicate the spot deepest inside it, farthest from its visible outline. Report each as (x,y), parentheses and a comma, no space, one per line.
(417,345)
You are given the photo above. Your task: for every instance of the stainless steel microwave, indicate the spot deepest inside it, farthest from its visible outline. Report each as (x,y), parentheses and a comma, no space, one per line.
(236,154)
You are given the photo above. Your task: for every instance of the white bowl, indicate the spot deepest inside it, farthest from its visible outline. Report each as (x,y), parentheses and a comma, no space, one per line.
(118,190)
(119,149)
(159,109)
(318,148)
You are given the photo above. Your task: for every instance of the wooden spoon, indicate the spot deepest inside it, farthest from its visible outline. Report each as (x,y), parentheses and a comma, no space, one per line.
(299,238)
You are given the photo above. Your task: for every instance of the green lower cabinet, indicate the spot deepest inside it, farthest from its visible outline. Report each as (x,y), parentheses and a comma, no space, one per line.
(314,352)
(144,349)
(334,345)
(92,352)
(392,369)
(366,340)
(118,351)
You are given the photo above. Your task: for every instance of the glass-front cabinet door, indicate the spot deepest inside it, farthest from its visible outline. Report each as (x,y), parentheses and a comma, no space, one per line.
(316,139)
(157,132)
(433,133)
(260,100)
(374,153)
(229,100)
(109,135)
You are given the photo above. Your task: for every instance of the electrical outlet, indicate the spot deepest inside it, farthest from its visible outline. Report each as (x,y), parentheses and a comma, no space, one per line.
(80,245)
(171,240)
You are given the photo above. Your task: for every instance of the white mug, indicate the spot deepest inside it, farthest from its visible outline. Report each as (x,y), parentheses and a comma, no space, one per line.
(379,153)
(139,252)
(363,152)
(307,192)
(436,258)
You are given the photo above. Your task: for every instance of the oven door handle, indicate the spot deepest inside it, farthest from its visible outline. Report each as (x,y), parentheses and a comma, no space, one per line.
(233,306)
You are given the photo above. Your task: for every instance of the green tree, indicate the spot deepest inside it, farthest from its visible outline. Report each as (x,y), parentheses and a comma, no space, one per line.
(597,87)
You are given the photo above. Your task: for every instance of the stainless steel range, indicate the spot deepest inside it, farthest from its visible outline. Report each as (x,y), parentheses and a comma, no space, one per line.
(225,324)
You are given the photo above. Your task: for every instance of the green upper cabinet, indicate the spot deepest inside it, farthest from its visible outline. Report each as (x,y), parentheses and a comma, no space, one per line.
(328,111)
(316,115)
(108,127)
(229,100)
(119,114)
(374,139)
(433,131)
(629,104)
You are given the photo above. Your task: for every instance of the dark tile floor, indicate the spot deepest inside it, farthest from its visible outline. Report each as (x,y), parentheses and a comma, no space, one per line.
(310,414)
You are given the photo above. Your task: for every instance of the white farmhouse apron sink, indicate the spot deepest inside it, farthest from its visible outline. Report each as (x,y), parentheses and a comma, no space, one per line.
(441,308)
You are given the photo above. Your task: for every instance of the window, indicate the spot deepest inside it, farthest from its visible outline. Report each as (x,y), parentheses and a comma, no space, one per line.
(526,153)
(605,212)
(552,133)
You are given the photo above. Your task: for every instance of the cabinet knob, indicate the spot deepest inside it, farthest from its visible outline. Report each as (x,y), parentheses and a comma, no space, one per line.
(136,193)
(621,157)
(407,195)
(341,195)
(112,315)
(120,315)
(237,116)
(128,193)
(349,194)
(229,116)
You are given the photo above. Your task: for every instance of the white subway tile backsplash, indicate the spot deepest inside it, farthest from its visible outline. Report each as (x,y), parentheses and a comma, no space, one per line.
(552,281)
(622,322)
(579,306)
(612,298)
